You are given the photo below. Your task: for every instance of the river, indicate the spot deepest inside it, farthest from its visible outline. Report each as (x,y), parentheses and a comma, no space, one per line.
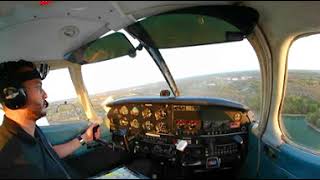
(301,133)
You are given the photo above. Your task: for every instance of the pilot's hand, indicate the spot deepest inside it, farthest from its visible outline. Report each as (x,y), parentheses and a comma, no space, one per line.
(89,134)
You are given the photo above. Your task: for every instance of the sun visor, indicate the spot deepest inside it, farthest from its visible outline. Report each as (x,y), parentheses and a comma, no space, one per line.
(108,47)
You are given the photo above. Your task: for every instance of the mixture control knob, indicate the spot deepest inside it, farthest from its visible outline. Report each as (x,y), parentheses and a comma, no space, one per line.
(238,139)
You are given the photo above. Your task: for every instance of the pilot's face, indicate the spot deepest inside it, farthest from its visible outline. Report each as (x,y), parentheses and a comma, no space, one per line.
(36,103)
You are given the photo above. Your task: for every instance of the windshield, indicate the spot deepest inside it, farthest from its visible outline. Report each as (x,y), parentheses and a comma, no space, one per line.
(230,71)
(227,70)
(198,61)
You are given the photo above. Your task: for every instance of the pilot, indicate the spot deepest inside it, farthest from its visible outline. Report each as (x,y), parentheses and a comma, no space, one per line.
(24,150)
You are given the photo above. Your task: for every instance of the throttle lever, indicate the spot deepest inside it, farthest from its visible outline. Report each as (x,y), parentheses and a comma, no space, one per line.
(94,130)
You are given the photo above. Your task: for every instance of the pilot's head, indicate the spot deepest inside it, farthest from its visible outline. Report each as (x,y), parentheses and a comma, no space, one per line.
(21,90)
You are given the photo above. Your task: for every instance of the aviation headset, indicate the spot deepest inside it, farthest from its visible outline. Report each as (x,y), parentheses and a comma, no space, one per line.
(12,93)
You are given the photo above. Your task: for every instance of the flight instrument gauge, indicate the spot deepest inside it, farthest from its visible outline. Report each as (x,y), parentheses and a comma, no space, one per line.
(135,124)
(146,113)
(124,110)
(160,114)
(134,111)
(147,125)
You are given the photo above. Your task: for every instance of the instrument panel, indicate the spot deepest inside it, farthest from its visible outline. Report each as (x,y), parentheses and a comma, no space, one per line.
(204,133)
(142,118)
(176,119)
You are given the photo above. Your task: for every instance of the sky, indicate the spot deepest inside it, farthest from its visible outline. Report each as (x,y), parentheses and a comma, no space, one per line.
(183,62)
(304,53)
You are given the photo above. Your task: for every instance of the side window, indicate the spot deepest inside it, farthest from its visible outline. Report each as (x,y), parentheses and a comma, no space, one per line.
(64,106)
(300,118)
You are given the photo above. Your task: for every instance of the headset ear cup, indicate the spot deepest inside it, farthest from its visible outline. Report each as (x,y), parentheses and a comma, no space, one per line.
(14,98)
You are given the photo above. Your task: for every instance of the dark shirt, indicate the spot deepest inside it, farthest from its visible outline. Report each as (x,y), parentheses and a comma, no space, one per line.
(24,156)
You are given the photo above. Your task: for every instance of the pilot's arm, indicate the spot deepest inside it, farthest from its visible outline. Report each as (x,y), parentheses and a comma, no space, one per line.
(68,148)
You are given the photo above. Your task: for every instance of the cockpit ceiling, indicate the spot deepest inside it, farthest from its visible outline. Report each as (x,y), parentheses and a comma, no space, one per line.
(281,20)
(34,32)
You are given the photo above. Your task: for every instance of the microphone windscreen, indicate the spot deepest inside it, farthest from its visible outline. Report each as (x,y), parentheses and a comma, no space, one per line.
(46,103)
